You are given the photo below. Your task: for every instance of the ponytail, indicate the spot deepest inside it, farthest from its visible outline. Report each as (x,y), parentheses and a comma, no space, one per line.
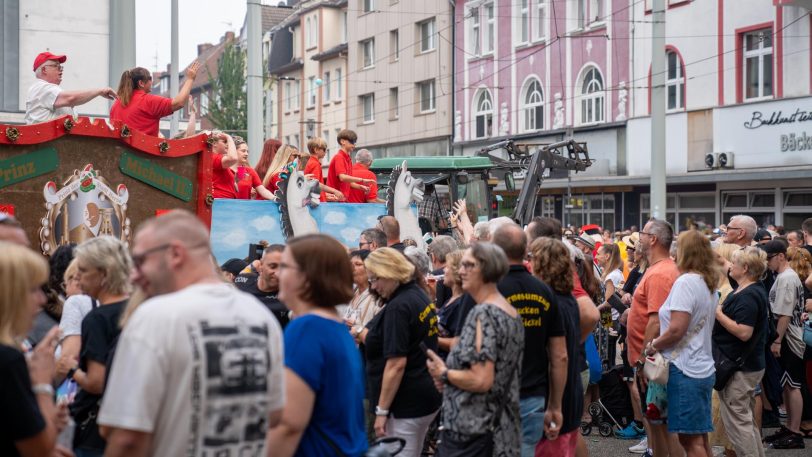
(129,82)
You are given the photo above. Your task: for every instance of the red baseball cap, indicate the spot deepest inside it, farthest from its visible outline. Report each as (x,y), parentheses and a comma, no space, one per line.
(46,56)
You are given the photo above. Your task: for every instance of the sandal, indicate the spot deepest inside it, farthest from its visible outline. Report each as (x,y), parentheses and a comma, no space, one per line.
(806,432)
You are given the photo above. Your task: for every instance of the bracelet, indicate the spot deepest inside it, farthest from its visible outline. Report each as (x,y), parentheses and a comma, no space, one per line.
(43,389)
(381,412)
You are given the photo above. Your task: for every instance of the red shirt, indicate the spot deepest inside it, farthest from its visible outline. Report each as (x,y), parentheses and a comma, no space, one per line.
(247,179)
(340,165)
(223,184)
(313,167)
(357,195)
(143,112)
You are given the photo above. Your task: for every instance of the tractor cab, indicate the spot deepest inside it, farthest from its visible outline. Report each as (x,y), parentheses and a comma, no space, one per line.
(453,178)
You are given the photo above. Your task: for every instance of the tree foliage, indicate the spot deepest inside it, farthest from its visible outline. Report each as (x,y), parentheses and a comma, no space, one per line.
(229,100)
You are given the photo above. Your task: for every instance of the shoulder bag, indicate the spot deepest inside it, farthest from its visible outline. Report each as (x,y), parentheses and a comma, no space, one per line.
(656,366)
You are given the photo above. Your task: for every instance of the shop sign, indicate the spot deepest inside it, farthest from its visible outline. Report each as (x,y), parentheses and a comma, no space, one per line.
(156,176)
(26,166)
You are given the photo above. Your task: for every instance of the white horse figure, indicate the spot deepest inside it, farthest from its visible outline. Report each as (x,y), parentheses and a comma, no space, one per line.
(403,190)
(295,194)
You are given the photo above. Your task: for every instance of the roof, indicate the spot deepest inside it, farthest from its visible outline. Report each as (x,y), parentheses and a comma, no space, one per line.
(440,163)
(330,53)
(272,15)
(305,7)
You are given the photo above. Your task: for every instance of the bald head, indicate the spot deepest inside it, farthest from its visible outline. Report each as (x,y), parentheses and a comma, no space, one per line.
(12,231)
(512,239)
(391,228)
(178,226)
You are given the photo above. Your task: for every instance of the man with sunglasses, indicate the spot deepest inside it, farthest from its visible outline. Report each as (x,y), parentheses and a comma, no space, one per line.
(46,100)
(339,174)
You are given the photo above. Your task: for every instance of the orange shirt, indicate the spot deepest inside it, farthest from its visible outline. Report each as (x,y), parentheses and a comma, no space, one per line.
(648,297)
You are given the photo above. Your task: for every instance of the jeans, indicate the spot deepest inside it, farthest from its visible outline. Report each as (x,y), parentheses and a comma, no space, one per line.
(531,410)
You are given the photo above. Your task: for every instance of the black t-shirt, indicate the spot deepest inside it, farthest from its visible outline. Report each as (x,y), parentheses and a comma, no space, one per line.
(20,417)
(443,293)
(248,284)
(808,247)
(100,328)
(538,308)
(573,399)
(457,315)
(748,307)
(406,319)
(632,280)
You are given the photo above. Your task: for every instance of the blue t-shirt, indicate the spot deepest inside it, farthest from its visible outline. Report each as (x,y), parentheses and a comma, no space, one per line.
(322,353)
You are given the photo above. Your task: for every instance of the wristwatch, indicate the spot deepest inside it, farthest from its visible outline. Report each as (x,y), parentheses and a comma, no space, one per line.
(381,412)
(444,376)
(44,389)
(70,373)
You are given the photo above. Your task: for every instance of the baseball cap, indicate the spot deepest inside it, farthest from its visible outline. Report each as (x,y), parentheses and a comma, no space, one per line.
(46,56)
(774,247)
(234,266)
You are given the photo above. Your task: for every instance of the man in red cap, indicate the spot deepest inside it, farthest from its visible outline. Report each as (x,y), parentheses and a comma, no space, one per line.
(46,100)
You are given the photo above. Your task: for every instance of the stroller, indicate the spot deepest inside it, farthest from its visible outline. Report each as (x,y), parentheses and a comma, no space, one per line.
(613,408)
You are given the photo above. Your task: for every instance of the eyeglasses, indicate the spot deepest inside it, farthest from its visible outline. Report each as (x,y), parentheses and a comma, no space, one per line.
(373,280)
(648,234)
(139,259)
(58,67)
(729,228)
(361,244)
(468,265)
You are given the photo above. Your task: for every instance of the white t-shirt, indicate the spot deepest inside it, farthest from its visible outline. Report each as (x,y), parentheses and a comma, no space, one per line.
(616,278)
(200,369)
(74,311)
(39,106)
(691,295)
(787,299)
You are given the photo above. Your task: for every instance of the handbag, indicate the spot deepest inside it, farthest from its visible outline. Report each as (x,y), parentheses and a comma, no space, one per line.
(656,366)
(808,332)
(480,445)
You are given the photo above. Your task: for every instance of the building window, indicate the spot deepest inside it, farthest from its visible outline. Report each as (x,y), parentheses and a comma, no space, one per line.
(532,106)
(326,84)
(758,63)
(523,22)
(204,103)
(426,93)
(307,32)
(675,82)
(315,24)
(368,5)
(288,96)
(540,22)
(589,11)
(475,49)
(490,31)
(394,108)
(368,53)
(592,97)
(483,114)
(427,35)
(344,27)
(297,89)
(394,45)
(368,108)
(339,83)
(311,92)
(295,141)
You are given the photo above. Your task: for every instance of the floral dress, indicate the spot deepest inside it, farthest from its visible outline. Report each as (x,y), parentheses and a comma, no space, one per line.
(468,413)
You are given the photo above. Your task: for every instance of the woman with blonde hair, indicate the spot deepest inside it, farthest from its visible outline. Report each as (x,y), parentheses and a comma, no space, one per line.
(285,155)
(400,387)
(104,265)
(28,411)
(740,334)
(686,323)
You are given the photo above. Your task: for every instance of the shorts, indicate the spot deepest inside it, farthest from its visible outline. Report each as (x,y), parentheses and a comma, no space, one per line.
(794,374)
(585,379)
(563,446)
(689,403)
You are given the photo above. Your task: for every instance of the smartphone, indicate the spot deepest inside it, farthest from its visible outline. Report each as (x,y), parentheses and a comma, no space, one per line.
(424,348)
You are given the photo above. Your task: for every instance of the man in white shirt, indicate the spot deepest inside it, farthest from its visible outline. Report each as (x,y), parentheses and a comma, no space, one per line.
(46,100)
(198,369)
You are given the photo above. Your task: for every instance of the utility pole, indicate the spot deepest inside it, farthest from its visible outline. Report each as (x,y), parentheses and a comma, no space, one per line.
(173,68)
(658,208)
(254,80)
(122,39)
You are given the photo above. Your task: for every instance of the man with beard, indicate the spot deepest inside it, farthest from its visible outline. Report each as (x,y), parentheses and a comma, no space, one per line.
(265,284)
(198,368)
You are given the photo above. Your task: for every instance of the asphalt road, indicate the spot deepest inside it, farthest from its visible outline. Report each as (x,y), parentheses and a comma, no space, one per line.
(612,447)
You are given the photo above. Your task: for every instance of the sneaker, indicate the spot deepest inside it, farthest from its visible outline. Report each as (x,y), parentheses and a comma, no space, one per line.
(782,412)
(791,441)
(782,432)
(632,432)
(641,447)
(648,453)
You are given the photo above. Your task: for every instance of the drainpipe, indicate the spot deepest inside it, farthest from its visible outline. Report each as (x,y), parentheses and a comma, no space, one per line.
(453,113)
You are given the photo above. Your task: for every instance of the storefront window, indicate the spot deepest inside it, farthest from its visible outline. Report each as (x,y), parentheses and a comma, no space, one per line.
(692,210)
(590,209)
(797,208)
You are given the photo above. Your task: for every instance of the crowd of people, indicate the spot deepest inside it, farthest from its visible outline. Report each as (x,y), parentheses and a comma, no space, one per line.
(478,345)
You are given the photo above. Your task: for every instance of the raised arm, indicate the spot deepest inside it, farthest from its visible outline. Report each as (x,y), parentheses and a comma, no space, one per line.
(186,89)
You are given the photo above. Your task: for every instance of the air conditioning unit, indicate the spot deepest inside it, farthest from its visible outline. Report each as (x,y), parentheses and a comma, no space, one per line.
(719,160)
